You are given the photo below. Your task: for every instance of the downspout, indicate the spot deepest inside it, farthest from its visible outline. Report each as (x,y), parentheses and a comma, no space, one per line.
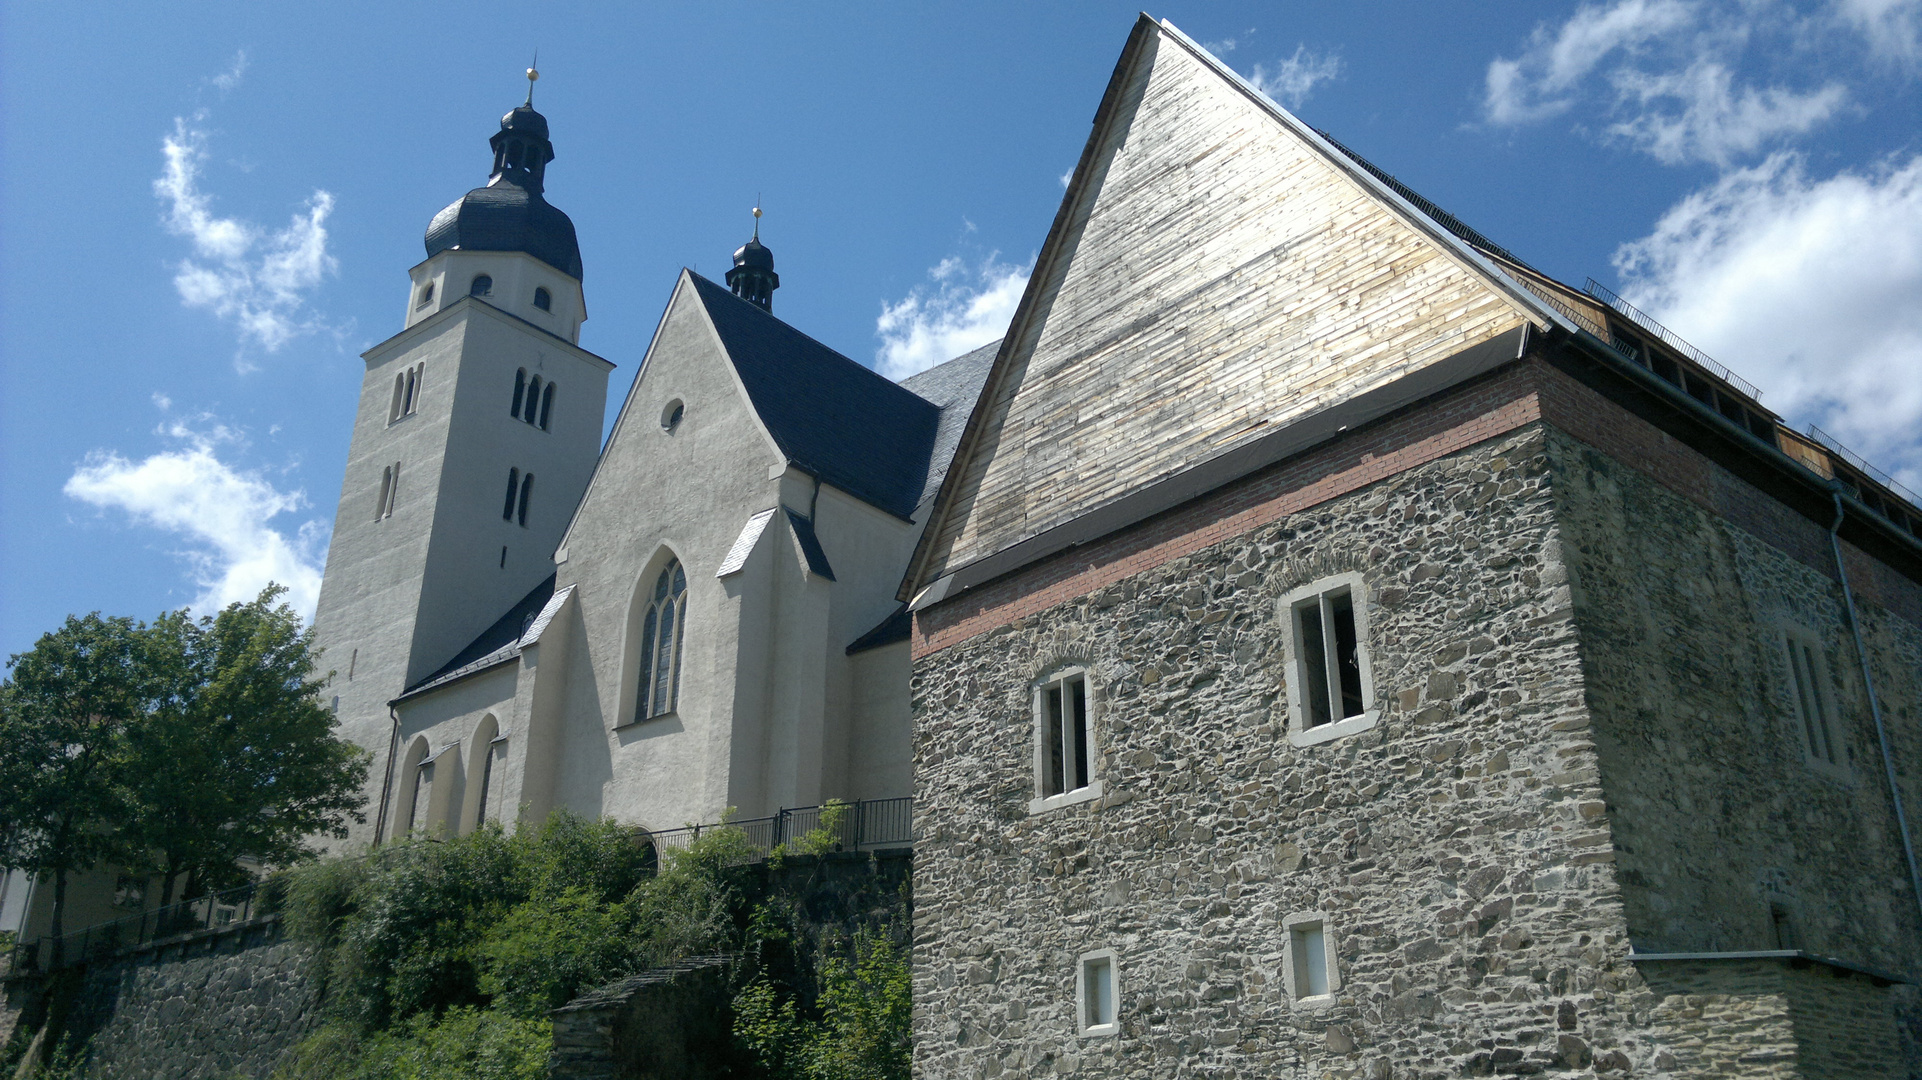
(387,784)
(1875,706)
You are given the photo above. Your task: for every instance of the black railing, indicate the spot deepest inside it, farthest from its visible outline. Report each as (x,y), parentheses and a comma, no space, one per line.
(104,939)
(861,825)
(1647,322)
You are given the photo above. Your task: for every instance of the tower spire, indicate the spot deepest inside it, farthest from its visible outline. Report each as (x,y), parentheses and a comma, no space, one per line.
(753,278)
(533,76)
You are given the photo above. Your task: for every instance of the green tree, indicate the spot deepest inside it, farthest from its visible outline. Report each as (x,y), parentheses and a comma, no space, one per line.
(237,757)
(64,711)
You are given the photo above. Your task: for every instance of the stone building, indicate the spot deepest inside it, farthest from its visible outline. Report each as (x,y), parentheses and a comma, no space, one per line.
(1341,650)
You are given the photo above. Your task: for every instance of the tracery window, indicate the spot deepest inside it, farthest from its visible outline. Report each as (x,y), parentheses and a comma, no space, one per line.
(661,631)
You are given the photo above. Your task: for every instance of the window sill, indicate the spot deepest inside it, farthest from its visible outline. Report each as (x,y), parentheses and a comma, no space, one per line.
(1069,798)
(632,724)
(1330,732)
(1316,1001)
(1101,1030)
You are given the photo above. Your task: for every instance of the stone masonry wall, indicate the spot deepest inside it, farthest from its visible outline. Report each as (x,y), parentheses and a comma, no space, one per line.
(1459,847)
(1718,813)
(215,1006)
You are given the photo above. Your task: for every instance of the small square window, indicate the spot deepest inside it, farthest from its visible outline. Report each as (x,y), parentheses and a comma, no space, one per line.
(1309,970)
(1096,994)
(1814,705)
(1064,752)
(1330,686)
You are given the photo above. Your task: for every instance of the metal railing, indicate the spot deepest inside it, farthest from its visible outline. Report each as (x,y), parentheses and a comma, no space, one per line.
(1647,322)
(1907,517)
(209,912)
(861,825)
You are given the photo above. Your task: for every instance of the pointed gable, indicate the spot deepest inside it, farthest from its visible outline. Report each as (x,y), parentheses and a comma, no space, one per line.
(1216,271)
(832,417)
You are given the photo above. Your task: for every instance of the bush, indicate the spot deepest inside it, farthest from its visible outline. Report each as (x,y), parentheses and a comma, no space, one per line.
(465,1044)
(862,1034)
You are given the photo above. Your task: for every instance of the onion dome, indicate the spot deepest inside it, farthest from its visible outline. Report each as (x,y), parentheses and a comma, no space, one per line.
(753,278)
(511,213)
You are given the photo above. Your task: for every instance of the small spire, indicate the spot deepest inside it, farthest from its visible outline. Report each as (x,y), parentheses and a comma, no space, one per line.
(757,218)
(533,76)
(753,278)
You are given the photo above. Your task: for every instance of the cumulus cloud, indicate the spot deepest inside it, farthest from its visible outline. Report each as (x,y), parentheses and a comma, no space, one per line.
(1291,81)
(1810,287)
(1664,75)
(223,513)
(253,277)
(964,306)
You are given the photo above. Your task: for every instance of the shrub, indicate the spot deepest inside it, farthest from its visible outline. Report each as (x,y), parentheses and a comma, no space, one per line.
(464,1044)
(862,1033)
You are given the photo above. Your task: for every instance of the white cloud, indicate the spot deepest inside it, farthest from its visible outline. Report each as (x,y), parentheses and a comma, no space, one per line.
(222,512)
(253,277)
(1892,28)
(1701,115)
(231,77)
(1292,80)
(1663,74)
(1229,43)
(1811,288)
(967,306)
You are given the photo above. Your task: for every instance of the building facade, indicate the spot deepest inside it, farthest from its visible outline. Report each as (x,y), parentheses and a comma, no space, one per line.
(1395,663)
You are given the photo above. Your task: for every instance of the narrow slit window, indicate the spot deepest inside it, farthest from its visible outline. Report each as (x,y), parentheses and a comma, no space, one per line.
(547,405)
(423,795)
(520,391)
(386,490)
(1809,674)
(530,411)
(486,780)
(1065,752)
(400,392)
(413,389)
(527,492)
(513,490)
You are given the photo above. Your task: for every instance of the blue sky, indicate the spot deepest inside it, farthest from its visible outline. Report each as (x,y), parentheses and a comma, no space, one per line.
(209,209)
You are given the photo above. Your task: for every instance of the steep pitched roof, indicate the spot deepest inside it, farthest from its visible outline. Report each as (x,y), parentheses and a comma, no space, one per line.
(954,386)
(832,417)
(1217,271)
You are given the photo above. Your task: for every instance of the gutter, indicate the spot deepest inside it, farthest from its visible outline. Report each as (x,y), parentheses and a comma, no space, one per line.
(1875,705)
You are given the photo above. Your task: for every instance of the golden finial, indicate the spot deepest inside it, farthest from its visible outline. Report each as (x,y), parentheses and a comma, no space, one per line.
(533,76)
(757,217)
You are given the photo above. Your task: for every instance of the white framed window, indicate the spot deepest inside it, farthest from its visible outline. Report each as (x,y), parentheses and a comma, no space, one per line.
(1064,745)
(662,628)
(1331,689)
(1816,719)
(1097,994)
(1310,971)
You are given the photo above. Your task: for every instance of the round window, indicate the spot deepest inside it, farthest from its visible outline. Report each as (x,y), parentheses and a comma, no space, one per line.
(671,416)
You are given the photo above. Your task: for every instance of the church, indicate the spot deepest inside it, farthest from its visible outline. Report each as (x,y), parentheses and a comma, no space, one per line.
(695,619)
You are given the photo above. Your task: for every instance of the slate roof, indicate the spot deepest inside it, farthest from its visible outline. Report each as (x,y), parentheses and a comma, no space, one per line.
(954,386)
(504,216)
(832,417)
(895,627)
(498,643)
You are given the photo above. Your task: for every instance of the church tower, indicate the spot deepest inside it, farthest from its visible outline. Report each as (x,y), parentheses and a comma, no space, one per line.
(478,427)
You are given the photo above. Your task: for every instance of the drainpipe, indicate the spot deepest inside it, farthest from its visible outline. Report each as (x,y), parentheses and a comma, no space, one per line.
(387,784)
(1875,706)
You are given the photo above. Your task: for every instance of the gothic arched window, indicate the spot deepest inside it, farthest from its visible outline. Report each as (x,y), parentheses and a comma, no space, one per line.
(527,492)
(547,405)
(661,631)
(482,286)
(520,389)
(529,413)
(513,489)
(543,299)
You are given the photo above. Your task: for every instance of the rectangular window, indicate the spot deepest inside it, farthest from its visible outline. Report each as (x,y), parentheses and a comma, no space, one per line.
(1095,991)
(1328,669)
(1064,742)
(1309,969)
(1814,709)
